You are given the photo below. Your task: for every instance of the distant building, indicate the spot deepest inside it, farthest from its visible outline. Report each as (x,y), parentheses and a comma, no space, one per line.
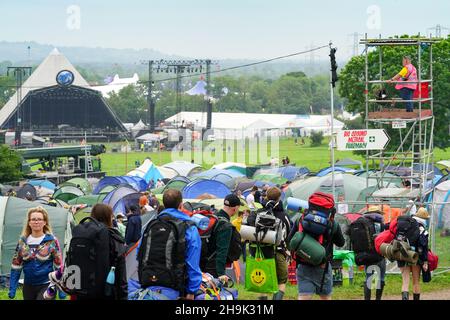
(249,125)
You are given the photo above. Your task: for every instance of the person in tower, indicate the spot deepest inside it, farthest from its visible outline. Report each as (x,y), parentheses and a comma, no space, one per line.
(408,84)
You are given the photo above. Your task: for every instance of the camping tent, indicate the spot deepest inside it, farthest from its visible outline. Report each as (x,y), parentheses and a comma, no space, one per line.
(442,211)
(67,193)
(224,176)
(90,199)
(147,171)
(27,191)
(183,168)
(287,172)
(12,216)
(167,173)
(349,162)
(328,170)
(43,187)
(270,177)
(239,167)
(389,179)
(80,183)
(351,187)
(199,187)
(121,198)
(136,183)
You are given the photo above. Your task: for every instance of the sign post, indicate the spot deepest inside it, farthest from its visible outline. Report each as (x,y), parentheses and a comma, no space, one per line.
(364,139)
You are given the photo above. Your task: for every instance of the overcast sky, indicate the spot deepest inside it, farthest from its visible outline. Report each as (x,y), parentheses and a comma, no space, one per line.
(254,29)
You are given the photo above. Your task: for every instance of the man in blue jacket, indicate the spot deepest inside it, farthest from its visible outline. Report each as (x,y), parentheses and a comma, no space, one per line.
(173,201)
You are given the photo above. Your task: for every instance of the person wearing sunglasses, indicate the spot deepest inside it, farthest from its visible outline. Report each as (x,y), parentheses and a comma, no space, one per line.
(37,253)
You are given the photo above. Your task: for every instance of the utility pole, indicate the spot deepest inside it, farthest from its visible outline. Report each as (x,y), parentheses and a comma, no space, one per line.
(355,46)
(333,79)
(438,30)
(151,106)
(208,95)
(19,73)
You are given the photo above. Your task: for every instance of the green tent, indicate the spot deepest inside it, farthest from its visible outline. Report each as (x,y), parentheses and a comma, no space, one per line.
(81,214)
(67,193)
(90,199)
(352,188)
(79,183)
(269,177)
(13,215)
(108,189)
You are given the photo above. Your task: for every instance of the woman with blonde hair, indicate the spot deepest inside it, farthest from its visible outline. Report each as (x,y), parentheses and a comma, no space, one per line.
(37,253)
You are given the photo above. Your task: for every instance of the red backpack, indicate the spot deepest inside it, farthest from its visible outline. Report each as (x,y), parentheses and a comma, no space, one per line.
(321,201)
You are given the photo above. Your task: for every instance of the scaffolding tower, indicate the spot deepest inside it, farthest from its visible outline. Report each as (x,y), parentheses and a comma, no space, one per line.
(414,154)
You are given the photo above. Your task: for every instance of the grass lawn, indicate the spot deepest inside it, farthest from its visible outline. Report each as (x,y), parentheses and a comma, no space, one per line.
(315,158)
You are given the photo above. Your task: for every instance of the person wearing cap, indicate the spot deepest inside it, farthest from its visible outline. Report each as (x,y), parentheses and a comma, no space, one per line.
(120,226)
(421,216)
(221,238)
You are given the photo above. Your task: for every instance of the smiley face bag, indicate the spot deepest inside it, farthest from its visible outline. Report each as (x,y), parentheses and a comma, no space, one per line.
(260,274)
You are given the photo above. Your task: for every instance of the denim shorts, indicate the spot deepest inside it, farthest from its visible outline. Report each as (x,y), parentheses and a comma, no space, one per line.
(309,280)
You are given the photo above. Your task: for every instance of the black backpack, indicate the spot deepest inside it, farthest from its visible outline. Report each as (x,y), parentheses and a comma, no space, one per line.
(207,259)
(362,235)
(408,230)
(92,250)
(161,256)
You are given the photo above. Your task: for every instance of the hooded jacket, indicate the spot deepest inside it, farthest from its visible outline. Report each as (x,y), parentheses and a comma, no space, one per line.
(35,265)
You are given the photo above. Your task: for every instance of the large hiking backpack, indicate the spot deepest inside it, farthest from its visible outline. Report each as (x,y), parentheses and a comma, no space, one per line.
(320,214)
(362,235)
(264,220)
(408,230)
(89,254)
(161,257)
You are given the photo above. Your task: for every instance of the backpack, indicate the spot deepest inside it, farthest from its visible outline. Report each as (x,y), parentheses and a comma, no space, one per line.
(207,236)
(264,220)
(408,230)
(362,236)
(93,252)
(161,256)
(322,202)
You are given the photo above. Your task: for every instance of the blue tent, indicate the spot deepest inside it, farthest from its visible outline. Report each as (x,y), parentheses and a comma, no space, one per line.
(225,176)
(121,198)
(328,170)
(43,183)
(136,183)
(199,187)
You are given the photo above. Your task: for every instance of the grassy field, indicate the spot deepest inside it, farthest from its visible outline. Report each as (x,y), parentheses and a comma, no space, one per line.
(315,158)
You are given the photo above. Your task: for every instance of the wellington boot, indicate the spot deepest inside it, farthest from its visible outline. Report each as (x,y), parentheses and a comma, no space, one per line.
(278,295)
(416,296)
(367,292)
(379,292)
(405,295)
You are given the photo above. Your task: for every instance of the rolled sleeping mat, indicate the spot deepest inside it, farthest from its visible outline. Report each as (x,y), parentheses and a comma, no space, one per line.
(271,237)
(295,204)
(390,252)
(308,248)
(200,221)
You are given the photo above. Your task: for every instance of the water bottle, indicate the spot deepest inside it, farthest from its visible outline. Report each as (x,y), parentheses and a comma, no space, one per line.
(110,279)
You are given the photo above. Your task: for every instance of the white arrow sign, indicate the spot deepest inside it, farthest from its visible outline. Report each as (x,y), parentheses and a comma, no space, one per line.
(364,139)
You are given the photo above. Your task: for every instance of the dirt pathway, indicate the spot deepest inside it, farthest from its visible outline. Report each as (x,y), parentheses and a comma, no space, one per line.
(435,295)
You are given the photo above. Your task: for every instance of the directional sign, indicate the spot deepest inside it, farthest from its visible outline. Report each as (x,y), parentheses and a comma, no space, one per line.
(365,139)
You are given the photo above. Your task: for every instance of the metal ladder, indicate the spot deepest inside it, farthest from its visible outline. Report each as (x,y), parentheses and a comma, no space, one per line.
(88,161)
